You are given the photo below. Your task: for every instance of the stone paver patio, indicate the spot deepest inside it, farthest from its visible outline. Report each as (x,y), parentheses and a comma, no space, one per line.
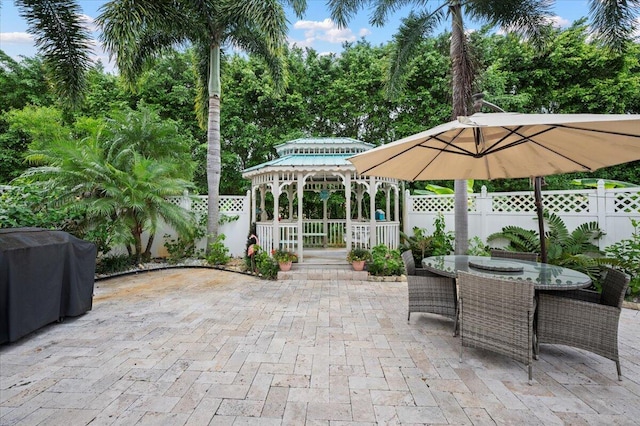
(191,347)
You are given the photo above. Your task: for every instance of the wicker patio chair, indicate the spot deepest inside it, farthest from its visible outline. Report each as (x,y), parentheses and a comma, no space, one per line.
(497,315)
(429,292)
(584,319)
(519,255)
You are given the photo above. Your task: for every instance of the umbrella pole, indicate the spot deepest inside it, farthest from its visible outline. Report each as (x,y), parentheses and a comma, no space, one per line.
(537,191)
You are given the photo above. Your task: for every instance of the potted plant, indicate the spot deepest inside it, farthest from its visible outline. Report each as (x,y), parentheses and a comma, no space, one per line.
(284,258)
(358,257)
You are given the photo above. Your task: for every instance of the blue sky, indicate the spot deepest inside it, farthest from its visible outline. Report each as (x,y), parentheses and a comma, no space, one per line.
(315,30)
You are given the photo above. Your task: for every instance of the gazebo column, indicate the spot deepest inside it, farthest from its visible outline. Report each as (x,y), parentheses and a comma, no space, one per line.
(263,212)
(347,196)
(275,190)
(254,214)
(290,198)
(396,204)
(372,210)
(325,227)
(359,194)
(300,188)
(387,193)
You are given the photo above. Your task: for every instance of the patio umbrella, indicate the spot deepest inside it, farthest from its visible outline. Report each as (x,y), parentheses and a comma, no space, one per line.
(508,145)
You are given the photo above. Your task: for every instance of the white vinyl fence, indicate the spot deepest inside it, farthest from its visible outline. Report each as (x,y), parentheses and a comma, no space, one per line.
(236,231)
(612,209)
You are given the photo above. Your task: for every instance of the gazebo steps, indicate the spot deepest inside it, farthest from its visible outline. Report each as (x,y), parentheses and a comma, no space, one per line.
(323,272)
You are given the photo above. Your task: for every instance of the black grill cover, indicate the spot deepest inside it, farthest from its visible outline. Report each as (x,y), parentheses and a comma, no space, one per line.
(44,276)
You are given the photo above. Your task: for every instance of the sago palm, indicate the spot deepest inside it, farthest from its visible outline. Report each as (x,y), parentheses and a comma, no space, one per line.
(124,189)
(137,31)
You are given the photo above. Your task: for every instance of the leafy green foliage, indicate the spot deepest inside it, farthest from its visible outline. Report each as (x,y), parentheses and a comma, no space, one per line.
(280,255)
(218,253)
(419,243)
(116,263)
(121,177)
(358,254)
(422,245)
(385,262)
(183,246)
(627,253)
(478,248)
(574,250)
(441,240)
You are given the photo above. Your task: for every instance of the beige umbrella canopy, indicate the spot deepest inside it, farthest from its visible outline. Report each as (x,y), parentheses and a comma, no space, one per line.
(508,145)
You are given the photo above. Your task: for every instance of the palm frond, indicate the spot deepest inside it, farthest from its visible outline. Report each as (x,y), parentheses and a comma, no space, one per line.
(63,40)
(134,31)
(342,11)
(614,22)
(406,43)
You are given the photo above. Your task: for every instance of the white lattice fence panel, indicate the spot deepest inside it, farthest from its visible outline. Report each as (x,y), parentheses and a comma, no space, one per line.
(566,203)
(627,202)
(199,205)
(433,204)
(175,200)
(231,204)
(513,203)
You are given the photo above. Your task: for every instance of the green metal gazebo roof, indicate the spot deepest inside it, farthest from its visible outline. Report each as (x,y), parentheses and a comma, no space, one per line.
(314,152)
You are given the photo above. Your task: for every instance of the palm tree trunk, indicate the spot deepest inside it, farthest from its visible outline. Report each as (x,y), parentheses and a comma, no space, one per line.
(147,251)
(213,144)
(461,89)
(137,238)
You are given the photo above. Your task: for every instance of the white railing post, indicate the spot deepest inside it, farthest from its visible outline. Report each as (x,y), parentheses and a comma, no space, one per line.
(185,201)
(408,209)
(484,207)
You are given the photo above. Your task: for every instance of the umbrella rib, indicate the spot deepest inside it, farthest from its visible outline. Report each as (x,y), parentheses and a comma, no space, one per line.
(459,151)
(365,171)
(607,132)
(526,139)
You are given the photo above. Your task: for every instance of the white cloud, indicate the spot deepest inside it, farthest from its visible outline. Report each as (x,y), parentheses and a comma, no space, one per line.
(559,22)
(17,38)
(325,30)
(364,32)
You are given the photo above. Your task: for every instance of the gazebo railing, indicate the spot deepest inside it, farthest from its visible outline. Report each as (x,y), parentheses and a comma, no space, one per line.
(316,235)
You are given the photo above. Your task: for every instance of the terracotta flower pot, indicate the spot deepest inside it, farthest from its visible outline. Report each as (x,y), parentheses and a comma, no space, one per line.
(358,265)
(285,266)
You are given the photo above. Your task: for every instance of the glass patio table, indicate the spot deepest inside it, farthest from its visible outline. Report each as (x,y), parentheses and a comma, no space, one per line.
(543,275)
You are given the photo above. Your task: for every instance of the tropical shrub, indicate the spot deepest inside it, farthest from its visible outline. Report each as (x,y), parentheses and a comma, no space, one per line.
(478,248)
(121,176)
(184,245)
(218,253)
(385,262)
(263,264)
(115,263)
(440,243)
(441,240)
(419,243)
(574,250)
(358,254)
(627,254)
(280,255)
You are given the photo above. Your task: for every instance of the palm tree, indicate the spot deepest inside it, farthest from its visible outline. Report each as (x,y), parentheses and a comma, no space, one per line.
(136,31)
(613,22)
(119,179)
(63,40)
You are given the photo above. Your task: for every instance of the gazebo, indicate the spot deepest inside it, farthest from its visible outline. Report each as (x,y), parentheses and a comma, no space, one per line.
(318,167)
